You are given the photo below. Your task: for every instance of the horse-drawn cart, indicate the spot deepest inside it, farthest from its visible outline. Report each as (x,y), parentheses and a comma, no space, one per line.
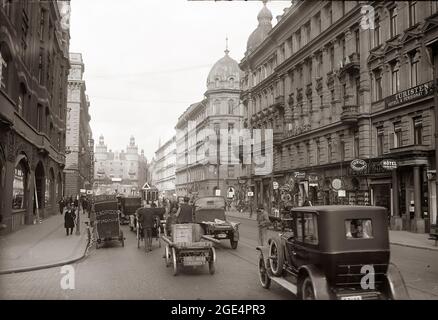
(107,220)
(188,246)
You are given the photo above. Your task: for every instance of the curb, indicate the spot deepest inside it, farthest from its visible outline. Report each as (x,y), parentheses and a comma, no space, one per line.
(47,266)
(412,246)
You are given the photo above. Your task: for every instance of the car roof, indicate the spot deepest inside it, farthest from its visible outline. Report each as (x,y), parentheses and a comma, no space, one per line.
(333,209)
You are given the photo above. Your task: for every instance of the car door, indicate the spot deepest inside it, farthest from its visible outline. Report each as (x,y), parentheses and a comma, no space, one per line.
(306,239)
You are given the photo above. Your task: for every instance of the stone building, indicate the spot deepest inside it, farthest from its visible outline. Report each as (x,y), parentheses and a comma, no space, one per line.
(34,65)
(164,168)
(121,172)
(198,171)
(347,103)
(78,132)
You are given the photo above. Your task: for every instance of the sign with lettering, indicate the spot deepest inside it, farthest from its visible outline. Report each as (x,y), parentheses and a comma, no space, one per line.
(299,175)
(275,185)
(412,94)
(358,165)
(336,184)
(388,164)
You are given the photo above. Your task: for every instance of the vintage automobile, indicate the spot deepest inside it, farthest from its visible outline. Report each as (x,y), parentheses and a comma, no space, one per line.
(210,214)
(333,252)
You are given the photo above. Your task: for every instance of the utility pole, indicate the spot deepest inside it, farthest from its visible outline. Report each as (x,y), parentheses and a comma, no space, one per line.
(218,139)
(435,100)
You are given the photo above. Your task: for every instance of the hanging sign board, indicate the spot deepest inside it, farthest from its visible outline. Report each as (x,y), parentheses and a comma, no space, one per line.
(358,165)
(388,164)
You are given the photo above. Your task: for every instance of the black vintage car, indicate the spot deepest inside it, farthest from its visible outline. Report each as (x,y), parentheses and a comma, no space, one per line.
(210,214)
(333,252)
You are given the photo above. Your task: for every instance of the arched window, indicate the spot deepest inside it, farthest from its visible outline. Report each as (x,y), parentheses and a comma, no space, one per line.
(4,66)
(230,106)
(216,83)
(19,186)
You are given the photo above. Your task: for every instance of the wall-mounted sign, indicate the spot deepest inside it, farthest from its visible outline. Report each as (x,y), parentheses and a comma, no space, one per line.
(411,94)
(388,164)
(336,184)
(358,165)
(250,194)
(342,193)
(275,185)
(299,175)
(217,192)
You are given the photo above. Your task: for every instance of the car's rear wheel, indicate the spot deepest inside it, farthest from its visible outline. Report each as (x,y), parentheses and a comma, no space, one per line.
(175,262)
(211,263)
(276,258)
(307,290)
(265,281)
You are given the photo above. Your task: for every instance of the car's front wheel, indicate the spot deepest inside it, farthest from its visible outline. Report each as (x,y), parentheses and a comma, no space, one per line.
(233,243)
(276,258)
(265,281)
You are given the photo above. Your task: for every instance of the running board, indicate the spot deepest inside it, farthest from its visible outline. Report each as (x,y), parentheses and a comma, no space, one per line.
(285,284)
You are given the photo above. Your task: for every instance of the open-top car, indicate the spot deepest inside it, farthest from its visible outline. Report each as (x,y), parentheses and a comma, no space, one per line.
(210,214)
(333,252)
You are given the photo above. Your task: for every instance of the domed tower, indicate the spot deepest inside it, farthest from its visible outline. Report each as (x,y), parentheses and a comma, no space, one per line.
(261,32)
(101,149)
(223,86)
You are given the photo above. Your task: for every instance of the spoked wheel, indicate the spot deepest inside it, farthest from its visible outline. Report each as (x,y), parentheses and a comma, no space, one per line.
(211,263)
(159,237)
(138,237)
(122,238)
(307,291)
(276,258)
(265,281)
(167,256)
(175,262)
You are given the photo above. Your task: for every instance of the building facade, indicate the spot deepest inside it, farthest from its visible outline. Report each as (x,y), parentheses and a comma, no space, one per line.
(348,97)
(34,64)
(122,172)
(199,170)
(164,168)
(78,132)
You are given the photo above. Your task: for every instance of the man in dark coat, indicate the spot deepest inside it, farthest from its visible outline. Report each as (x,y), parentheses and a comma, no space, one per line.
(69,219)
(61,205)
(185,212)
(146,219)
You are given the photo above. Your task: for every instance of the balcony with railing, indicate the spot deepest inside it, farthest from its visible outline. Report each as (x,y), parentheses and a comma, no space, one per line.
(350,114)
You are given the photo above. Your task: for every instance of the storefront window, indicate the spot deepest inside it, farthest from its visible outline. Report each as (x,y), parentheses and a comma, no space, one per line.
(47,195)
(19,184)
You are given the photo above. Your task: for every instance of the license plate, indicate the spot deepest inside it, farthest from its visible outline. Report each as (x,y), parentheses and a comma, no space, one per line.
(194,261)
(222,235)
(352,298)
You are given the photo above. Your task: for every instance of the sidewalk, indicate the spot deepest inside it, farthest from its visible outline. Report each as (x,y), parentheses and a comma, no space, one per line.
(42,246)
(399,238)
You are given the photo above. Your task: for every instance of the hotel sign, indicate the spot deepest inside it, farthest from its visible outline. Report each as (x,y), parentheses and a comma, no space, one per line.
(409,95)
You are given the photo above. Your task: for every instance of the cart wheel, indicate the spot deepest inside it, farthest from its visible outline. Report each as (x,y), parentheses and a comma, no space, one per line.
(159,237)
(167,256)
(263,274)
(122,238)
(307,291)
(211,263)
(233,244)
(175,262)
(138,238)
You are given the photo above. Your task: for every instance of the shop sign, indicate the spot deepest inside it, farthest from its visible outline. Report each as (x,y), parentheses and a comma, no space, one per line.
(342,193)
(412,94)
(218,193)
(388,164)
(275,185)
(250,194)
(358,165)
(299,175)
(336,184)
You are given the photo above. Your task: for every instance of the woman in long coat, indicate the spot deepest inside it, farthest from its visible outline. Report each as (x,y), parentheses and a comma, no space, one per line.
(69,219)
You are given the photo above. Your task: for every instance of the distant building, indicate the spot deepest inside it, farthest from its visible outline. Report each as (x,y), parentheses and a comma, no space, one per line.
(198,171)
(78,133)
(164,168)
(34,64)
(122,172)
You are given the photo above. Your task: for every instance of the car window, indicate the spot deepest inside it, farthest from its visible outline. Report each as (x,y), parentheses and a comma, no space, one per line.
(299,224)
(310,228)
(358,229)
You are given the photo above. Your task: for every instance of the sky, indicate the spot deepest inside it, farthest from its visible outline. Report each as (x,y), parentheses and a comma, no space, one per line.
(146,61)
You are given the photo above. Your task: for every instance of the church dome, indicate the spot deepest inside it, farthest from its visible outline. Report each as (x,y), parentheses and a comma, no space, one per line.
(261,32)
(225,74)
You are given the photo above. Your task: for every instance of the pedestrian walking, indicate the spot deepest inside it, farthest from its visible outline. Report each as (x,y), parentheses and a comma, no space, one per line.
(61,204)
(76,202)
(69,219)
(263,222)
(146,219)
